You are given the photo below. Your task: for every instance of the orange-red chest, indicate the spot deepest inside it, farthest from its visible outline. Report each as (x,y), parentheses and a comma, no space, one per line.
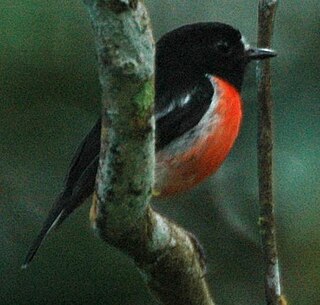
(178,170)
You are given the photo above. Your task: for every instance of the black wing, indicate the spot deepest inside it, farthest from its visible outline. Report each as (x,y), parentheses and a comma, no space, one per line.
(184,113)
(79,184)
(87,151)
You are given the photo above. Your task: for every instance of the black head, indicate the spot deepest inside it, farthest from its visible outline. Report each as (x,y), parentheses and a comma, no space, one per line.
(191,51)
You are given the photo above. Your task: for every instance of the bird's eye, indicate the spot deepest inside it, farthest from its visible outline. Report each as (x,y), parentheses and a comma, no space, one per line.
(223,47)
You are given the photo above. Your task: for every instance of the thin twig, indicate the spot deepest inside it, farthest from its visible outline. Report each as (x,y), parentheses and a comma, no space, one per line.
(267,9)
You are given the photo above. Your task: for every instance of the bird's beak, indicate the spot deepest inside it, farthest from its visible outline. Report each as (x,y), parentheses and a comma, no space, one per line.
(259,53)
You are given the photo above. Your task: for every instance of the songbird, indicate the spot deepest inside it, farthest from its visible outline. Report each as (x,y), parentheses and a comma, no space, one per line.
(199,70)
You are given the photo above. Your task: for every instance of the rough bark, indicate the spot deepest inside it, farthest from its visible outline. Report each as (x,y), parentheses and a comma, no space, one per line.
(168,256)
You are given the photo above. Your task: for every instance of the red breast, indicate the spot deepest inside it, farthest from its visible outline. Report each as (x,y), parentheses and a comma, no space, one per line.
(201,152)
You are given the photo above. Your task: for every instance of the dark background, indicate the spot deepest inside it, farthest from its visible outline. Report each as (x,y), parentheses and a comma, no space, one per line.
(49,98)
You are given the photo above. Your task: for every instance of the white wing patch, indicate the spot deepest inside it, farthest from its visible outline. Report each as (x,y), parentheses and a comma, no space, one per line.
(185,101)
(208,122)
(181,102)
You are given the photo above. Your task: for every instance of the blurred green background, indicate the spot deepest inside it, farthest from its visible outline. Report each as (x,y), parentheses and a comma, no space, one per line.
(49,98)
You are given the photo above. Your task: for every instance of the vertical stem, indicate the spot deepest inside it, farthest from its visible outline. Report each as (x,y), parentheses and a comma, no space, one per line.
(267,9)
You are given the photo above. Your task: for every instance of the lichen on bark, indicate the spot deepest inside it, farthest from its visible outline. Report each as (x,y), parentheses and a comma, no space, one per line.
(165,253)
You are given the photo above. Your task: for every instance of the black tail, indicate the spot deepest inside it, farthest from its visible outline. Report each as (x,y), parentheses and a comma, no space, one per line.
(64,205)
(50,223)
(79,185)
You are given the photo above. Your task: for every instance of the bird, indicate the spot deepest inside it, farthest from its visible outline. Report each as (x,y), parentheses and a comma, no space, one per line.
(199,71)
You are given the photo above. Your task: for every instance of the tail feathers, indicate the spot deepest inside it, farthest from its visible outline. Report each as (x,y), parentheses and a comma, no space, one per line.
(66,203)
(52,221)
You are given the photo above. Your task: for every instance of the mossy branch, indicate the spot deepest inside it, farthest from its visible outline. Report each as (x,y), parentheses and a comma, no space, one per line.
(167,255)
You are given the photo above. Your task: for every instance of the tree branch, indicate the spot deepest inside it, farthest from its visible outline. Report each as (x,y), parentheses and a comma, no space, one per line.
(167,255)
(267,9)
